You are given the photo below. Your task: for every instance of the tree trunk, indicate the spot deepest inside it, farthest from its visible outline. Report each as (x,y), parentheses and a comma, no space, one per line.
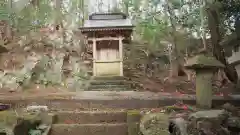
(203,4)
(82,8)
(9,31)
(57,21)
(35,3)
(5,32)
(126,4)
(213,24)
(204,40)
(175,65)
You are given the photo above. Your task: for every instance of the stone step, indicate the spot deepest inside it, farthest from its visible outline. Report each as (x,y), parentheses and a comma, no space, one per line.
(89,129)
(109,78)
(109,86)
(109,89)
(86,100)
(91,117)
(109,82)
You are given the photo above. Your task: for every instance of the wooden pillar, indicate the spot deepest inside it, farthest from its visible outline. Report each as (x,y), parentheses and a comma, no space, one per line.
(121,55)
(94,55)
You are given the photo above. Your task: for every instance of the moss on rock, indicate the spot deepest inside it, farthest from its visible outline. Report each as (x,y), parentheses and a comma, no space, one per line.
(133,119)
(155,124)
(8,117)
(133,116)
(18,123)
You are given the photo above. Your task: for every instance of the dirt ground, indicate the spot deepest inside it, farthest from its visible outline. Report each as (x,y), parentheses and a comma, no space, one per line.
(181,86)
(37,91)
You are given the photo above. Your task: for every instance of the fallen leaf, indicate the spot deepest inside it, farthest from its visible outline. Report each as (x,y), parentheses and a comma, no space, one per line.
(185,107)
(69,122)
(220,94)
(156,110)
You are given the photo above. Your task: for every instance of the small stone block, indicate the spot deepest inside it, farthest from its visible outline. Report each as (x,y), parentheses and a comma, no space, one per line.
(48,118)
(133,116)
(209,114)
(134,129)
(133,120)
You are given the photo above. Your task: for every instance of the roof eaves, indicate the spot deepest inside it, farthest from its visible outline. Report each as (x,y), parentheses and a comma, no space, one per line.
(95,14)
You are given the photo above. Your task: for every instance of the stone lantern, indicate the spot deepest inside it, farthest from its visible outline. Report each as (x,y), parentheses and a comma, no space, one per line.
(205,66)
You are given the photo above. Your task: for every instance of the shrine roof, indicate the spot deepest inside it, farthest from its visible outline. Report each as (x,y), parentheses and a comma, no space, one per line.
(99,22)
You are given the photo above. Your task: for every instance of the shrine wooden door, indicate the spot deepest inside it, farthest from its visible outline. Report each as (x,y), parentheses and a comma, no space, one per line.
(108,61)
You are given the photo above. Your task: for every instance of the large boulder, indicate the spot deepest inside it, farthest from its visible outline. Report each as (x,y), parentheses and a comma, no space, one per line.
(22,123)
(208,122)
(23,126)
(214,116)
(154,124)
(233,124)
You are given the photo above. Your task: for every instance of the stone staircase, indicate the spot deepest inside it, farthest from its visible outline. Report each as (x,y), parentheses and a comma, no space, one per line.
(94,123)
(109,84)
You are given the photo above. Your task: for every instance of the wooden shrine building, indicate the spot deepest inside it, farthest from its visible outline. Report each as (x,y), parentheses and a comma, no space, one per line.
(107,33)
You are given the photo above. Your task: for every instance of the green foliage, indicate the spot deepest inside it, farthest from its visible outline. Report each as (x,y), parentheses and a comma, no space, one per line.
(78,78)
(31,18)
(35,132)
(229,12)
(176,4)
(155,26)
(3,10)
